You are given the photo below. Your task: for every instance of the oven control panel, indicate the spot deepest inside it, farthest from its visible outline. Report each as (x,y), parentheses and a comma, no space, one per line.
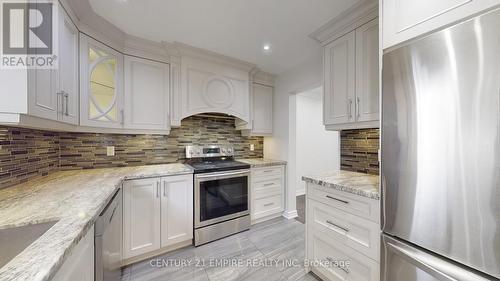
(194,151)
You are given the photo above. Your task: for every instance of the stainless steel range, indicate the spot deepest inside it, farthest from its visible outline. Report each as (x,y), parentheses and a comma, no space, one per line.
(221,192)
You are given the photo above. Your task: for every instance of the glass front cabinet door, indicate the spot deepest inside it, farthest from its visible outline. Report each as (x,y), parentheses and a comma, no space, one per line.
(101,98)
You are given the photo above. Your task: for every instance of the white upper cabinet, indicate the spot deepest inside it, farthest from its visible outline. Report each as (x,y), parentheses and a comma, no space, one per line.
(146,94)
(367,72)
(53,94)
(101,84)
(262,110)
(176,209)
(339,80)
(209,86)
(407,19)
(351,79)
(68,69)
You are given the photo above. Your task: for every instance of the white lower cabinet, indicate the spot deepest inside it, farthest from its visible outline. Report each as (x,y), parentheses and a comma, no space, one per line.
(342,235)
(267,193)
(79,266)
(176,210)
(141,216)
(157,213)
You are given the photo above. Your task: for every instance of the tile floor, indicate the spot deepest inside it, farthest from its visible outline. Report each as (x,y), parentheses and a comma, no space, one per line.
(301,208)
(275,240)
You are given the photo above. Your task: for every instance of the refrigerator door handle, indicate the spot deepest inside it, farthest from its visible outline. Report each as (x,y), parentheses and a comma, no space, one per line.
(439,268)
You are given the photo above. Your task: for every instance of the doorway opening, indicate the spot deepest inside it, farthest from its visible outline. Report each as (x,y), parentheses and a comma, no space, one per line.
(316,150)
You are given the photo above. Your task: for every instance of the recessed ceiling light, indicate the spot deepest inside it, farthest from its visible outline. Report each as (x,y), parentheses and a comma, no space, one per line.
(267,48)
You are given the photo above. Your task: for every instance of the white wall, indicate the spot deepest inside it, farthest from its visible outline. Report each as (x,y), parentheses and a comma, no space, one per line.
(307,75)
(317,150)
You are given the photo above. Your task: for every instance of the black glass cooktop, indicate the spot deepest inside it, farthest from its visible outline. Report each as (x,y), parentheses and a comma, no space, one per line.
(208,165)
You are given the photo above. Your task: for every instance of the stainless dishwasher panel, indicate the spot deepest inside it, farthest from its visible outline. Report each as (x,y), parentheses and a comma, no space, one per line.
(108,241)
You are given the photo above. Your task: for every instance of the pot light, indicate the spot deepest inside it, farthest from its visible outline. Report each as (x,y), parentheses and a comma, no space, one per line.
(267,48)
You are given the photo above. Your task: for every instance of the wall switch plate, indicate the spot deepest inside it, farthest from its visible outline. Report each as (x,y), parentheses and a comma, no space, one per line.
(110,151)
(252,147)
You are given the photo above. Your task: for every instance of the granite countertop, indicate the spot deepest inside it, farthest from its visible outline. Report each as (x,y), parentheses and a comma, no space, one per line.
(262,162)
(356,183)
(74,199)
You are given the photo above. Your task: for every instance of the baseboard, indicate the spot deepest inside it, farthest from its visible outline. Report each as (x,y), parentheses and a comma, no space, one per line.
(290,214)
(155,253)
(266,218)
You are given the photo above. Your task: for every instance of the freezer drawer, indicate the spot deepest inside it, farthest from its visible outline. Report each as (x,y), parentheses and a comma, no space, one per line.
(401,261)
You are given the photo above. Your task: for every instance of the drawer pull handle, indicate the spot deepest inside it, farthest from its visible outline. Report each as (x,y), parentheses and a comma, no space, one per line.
(338,226)
(336,199)
(269,184)
(268,171)
(334,263)
(268,204)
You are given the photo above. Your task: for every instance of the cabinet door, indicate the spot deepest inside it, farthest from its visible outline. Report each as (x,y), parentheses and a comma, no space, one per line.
(141,216)
(146,94)
(262,116)
(79,266)
(339,80)
(101,85)
(68,69)
(43,99)
(407,19)
(367,72)
(176,209)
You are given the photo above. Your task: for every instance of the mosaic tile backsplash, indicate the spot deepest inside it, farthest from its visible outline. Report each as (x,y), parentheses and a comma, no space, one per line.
(25,153)
(359,150)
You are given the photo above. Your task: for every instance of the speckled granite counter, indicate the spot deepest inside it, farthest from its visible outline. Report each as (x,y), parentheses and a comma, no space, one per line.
(356,183)
(74,199)
(262,162)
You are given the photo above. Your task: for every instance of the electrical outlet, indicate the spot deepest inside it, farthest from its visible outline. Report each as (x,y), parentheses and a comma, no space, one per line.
(252,147)
(110,150)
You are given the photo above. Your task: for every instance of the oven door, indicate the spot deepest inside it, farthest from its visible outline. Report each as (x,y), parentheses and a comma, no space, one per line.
(221,196)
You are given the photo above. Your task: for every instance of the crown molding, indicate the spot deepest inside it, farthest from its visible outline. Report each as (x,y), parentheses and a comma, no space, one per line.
(264,78)
(95,26)
(347,21)
(195,52)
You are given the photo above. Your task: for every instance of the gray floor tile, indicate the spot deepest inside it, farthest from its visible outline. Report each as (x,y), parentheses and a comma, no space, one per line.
(301,208)
(278,239)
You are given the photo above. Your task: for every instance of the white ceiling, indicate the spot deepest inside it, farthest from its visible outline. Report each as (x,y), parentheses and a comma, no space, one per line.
(236,28)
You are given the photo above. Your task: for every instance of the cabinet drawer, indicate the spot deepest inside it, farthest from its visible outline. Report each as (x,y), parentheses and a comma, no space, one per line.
(261,174)
(267,188)
(353,204)
(267,206)
(335,261)
(355,232)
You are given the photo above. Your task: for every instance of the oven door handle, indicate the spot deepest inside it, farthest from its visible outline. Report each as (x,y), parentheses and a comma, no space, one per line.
(221,174)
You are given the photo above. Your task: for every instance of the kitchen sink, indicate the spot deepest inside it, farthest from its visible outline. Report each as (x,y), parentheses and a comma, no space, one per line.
(14,240)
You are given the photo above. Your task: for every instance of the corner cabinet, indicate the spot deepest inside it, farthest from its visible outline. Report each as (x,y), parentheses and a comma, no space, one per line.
(407,19)
(147,95)
(101,85)
(351,80)
(157,215)
(53,93)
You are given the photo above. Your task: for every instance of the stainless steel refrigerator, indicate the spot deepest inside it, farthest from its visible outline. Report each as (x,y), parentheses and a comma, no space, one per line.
(441,155)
